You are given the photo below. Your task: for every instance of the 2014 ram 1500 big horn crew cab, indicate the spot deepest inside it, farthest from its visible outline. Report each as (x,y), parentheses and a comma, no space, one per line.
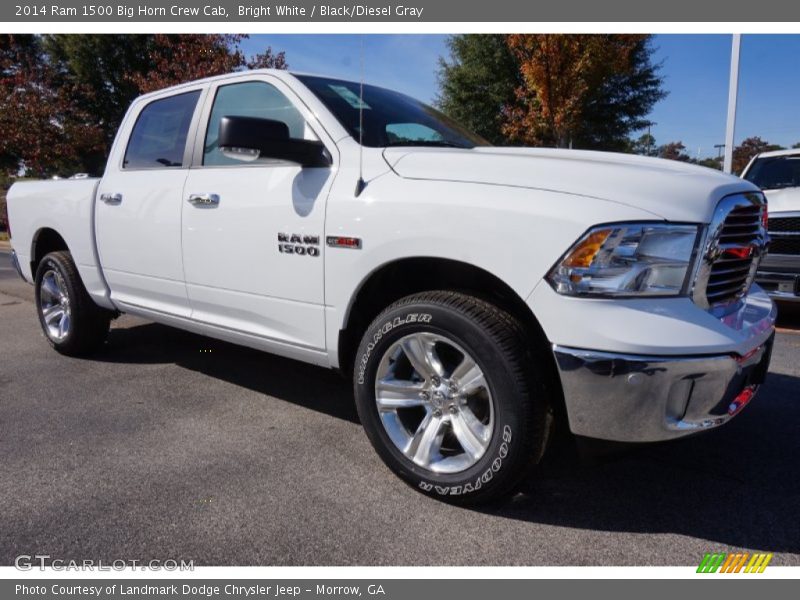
(476,294)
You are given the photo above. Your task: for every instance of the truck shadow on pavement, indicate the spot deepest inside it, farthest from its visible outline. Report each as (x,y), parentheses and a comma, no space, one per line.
(737,486)
(312,387)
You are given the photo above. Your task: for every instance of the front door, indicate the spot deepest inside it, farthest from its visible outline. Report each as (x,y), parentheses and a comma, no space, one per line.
(253,245)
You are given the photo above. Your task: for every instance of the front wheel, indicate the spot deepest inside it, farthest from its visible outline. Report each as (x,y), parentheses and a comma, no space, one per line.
(448,397)
(72,323)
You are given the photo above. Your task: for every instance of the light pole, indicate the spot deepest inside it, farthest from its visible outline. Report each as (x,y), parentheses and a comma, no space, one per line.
(733,91)
(719,148)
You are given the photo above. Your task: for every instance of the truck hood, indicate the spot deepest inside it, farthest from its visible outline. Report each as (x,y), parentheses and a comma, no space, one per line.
(784,200)
(668,189)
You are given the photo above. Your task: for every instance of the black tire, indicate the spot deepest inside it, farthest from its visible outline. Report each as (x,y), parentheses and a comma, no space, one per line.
(88,324)
(496,342)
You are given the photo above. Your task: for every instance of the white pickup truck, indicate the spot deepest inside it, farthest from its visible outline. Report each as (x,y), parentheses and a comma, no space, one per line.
(777,173)
(477,295)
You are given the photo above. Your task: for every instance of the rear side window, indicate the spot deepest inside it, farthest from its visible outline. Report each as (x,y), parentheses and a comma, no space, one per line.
(158,139)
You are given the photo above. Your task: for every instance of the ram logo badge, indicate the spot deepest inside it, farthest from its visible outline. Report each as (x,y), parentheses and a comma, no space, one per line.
(294,243)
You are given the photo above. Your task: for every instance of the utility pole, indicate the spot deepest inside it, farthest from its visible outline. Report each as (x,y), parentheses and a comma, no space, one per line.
(733,91)
(650,137)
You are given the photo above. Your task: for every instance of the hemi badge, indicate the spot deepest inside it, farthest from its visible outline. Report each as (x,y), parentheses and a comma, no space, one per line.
(336,241)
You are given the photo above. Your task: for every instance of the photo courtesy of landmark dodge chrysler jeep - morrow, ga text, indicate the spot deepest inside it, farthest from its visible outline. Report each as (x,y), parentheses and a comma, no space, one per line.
(477,295)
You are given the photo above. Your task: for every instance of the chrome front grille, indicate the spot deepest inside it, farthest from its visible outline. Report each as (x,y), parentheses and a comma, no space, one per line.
(735,242)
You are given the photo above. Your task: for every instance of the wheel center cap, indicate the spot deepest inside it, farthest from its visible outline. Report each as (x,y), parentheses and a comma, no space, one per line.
(443,394)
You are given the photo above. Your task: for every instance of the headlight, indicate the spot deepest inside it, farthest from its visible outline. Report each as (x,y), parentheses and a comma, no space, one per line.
(628,259)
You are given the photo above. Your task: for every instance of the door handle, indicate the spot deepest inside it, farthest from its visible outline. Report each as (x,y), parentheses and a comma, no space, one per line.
(111,198)
(204,200)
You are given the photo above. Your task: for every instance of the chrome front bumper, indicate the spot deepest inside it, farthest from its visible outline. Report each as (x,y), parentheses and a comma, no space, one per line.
(630,398)
(15,264)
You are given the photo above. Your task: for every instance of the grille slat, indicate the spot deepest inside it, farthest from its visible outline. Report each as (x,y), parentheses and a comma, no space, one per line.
(741,269)
(733,281)
(729,275)
(725,294)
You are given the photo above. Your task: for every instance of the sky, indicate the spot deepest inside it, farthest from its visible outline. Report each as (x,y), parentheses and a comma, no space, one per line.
(695,69)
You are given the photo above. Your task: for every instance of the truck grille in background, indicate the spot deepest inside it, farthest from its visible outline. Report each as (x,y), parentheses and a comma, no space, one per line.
(785,234)
(733,249)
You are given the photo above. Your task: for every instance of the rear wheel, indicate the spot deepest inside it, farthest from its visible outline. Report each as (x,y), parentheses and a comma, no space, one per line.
(448,398)
(72,323)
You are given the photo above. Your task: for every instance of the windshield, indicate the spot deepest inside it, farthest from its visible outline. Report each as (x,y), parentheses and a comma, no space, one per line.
(390,118)
(775,172)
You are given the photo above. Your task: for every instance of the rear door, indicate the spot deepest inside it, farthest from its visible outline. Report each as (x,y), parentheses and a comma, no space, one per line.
(253,253)
(138,211)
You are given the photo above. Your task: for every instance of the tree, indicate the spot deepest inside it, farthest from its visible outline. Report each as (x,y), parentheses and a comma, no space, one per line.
(644,145)
(589,91)
(674,151)
(478,82)
(45,126)
(712,162)
(76,89)
(103,67)
(797,145)
(744,152)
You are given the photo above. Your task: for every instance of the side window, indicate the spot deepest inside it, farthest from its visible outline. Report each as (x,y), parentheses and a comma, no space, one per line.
(250,99)
(158,139)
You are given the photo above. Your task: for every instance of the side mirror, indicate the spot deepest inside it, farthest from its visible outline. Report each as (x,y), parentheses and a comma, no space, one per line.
(248,138)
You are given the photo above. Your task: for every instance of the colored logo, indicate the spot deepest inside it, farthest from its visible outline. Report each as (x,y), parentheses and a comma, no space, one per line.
(743,562)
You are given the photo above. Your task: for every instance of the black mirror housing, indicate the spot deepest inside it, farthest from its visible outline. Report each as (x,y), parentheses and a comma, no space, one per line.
(271,140)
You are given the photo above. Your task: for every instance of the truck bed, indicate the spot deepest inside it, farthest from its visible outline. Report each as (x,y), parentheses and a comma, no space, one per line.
(65,206)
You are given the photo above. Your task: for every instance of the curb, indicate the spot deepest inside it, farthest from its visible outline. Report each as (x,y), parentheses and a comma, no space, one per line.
(5,245)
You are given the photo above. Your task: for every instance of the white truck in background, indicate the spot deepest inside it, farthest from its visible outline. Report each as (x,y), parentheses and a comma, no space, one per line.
(777,173)
(477,295)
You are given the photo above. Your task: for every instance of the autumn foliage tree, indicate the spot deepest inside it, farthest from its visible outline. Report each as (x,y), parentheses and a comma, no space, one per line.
(674,151)
(178,58)
(581,89)
(43,125)
(62,97)
(590,91)
(744,152)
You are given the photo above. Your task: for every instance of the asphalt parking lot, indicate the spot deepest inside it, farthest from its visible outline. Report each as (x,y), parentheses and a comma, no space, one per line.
(169,445)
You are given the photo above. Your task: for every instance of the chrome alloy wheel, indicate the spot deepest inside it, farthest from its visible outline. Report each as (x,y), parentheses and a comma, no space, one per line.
(434,402)
(54,305)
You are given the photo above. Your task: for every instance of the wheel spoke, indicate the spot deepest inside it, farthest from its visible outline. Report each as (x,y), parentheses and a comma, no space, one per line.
(464,368)
(52,313)
(470,432)
(469,376)
(395,393)
(421,352)
(63,326)
(50,289)
(427,441)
